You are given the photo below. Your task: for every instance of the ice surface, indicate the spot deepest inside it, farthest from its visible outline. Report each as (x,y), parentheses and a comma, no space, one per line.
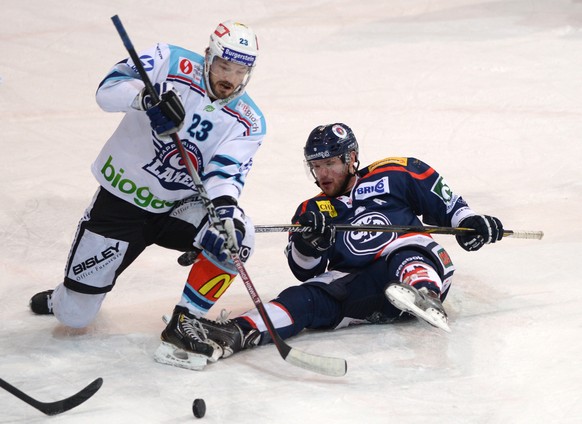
(487,92)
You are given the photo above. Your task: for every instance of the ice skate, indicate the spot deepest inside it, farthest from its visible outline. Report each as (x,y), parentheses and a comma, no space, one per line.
(185,344)
(41,303)
(423,303)
(229,335)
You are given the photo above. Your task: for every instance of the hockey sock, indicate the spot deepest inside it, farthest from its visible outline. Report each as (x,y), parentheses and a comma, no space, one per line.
(207,281)
(419,274)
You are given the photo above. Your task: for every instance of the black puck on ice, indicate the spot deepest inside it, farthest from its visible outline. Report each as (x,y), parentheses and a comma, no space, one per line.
(199,408)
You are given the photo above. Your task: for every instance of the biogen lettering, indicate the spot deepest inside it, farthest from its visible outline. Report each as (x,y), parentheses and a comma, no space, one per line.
(143,197)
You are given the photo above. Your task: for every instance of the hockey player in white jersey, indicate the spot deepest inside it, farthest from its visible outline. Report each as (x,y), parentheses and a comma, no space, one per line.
(146,195)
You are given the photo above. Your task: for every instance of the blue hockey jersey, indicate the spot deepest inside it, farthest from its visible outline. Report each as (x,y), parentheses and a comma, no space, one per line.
(392,191)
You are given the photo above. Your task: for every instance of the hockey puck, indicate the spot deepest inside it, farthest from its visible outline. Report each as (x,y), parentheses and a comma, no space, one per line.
(199,408)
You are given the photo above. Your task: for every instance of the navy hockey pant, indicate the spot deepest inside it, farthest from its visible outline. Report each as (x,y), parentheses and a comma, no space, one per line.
(357,297)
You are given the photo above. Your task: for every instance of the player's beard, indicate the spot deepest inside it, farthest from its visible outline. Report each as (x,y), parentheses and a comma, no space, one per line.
(343,188)
(223,89)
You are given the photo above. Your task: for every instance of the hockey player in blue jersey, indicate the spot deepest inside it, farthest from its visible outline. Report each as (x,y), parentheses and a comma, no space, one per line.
(145,193)
(363,277)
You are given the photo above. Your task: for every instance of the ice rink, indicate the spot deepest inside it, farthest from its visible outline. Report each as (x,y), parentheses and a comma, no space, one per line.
(488,92)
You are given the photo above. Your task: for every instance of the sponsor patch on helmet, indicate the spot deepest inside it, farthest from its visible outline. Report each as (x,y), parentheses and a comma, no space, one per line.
(221,30)
(339,131)
(317,155)
(238,57)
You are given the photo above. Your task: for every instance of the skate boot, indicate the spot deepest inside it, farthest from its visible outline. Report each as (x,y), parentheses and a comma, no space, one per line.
(423,303)
(229,335)
(185,344)
(41,303)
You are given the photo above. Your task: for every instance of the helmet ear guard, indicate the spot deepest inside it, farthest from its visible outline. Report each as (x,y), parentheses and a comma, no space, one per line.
(356,161)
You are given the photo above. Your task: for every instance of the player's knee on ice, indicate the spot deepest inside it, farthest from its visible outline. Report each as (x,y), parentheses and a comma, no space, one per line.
(74,309)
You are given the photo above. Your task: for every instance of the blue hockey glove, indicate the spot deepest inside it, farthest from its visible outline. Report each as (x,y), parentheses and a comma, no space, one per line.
(166,116)
(488,230)
(218,244)
(321,237)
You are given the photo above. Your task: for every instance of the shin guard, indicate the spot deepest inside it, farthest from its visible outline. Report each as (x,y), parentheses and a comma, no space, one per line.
(207,281)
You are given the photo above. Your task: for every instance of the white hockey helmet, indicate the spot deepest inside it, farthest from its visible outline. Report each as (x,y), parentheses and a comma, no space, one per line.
(235,42)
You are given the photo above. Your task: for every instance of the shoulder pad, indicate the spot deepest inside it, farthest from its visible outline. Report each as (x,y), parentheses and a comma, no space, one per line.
(251,114)
(186,67)
(388,161)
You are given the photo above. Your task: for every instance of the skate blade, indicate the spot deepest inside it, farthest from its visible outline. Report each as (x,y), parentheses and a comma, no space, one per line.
(169,354)
(404,299)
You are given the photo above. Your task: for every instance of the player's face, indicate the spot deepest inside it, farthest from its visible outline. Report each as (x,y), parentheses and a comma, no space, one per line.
(226,76)
(331,175)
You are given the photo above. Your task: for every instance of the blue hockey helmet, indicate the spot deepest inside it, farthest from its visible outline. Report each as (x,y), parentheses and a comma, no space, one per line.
(327,141)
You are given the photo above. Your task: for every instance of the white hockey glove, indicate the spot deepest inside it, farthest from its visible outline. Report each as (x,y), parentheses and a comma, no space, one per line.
(232,217)
(166,116)
(488,230)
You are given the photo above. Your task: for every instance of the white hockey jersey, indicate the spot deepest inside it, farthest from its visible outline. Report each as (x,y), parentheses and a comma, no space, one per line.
(146,170)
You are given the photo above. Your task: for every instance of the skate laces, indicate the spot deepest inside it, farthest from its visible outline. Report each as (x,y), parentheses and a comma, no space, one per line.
(194,329)
(223,317)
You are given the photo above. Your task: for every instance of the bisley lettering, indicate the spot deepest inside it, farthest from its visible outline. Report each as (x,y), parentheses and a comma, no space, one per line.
(96,260)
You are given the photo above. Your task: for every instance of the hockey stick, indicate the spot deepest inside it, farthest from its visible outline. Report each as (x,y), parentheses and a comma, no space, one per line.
(296,228)
(321,364)
(187,258)
(54,408)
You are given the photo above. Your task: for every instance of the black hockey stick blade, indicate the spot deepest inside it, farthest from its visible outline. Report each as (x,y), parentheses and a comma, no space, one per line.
(54,408)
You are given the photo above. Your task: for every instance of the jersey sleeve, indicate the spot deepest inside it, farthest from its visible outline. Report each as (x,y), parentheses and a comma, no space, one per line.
(121,85)
(431,196)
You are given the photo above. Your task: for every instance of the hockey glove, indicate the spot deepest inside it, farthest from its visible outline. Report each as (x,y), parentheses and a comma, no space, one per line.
(232,218)
(166,116)
(488,230)
(321,237)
